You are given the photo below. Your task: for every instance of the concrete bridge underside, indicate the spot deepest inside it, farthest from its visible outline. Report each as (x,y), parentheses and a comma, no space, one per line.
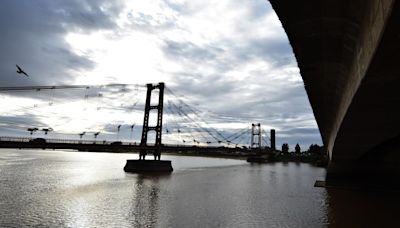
(348,53)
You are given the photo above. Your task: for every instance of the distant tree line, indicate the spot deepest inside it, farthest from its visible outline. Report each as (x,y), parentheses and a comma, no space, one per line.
(315,154)
(314,149)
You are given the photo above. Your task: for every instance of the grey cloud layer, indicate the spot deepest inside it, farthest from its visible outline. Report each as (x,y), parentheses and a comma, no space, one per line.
(33,36)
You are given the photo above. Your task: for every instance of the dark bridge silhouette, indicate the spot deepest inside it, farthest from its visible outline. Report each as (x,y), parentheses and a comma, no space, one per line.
(115,146)
(348,53)
(213,142)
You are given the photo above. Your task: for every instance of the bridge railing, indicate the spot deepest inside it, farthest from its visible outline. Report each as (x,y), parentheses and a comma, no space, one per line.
(67,141)
(104,142)
(14,139)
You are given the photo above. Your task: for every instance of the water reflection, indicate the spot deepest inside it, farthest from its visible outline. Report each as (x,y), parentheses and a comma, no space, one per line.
(72,189)
(145,208)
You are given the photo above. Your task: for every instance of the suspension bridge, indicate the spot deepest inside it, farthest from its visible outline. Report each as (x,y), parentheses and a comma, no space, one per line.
(110,118)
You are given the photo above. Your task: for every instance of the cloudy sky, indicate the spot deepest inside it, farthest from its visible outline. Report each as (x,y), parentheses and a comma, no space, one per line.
(230,59)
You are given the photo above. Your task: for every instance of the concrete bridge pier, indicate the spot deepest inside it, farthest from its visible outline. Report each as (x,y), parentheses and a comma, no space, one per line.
(377,168)
(348,53)
(369,175)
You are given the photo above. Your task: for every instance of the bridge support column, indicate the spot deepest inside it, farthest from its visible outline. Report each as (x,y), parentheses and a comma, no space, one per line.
(272,137)
(256,144)
(256,136)
(377,168)
(148,166)
(365,175)
(158,127)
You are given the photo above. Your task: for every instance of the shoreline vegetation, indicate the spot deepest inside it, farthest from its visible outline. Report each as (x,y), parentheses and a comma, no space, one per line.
(264,156)
(319,160)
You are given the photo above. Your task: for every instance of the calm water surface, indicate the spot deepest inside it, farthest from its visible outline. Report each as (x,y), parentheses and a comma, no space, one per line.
(75,189)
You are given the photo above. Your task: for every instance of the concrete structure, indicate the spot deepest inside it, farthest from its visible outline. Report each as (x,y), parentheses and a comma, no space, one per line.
(158,128)
(348,53)
(255,136)
(141,166)
(272,137)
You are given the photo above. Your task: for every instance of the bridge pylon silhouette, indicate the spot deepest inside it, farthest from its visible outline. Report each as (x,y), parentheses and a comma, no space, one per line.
(158,127)
(141,165)
(256,136)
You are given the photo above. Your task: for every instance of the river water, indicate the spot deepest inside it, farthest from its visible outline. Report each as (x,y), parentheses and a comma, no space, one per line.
(76,189)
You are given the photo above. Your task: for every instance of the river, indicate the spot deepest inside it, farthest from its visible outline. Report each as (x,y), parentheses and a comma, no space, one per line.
(76,189)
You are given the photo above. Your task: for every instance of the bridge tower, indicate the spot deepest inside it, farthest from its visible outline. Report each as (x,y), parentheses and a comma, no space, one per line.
(158,127)
(255,136)
(273,145)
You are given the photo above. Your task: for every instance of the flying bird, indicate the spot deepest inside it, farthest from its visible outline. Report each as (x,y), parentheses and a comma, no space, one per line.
(20,71)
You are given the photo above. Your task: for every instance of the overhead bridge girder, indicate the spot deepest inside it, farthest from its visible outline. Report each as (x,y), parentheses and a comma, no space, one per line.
(348,56)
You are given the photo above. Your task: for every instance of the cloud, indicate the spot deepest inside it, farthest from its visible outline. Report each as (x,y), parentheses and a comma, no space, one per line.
(191,51)
(231,59)
(33,36)
(17,125)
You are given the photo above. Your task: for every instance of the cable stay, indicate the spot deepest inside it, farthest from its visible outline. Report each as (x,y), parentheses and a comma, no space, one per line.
(265,141)
(266,136)
(201,127)
(38,88)
(192,122)
(237,135)
(239,142)
(184,114)
(240,135)
(214,115)
(51,100)
(45,96)
(176,124)
(196,112)
(237,132)
(186,122)
(202,120)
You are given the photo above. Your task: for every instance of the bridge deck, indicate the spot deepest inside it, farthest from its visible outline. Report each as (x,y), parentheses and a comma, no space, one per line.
(92,145)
